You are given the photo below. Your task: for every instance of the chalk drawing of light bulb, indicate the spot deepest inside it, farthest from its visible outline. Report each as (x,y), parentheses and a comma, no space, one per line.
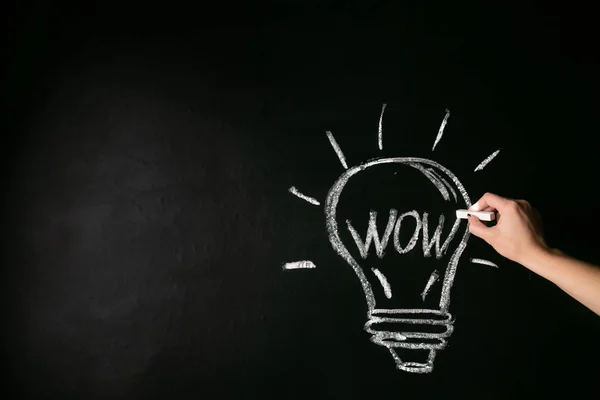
(400,327)
(413,334)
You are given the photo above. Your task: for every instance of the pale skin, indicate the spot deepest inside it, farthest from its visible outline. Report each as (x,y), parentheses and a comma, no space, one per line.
(518,236)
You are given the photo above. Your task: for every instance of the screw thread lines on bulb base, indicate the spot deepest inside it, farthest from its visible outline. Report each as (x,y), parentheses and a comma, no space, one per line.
(410,329)
(412,366)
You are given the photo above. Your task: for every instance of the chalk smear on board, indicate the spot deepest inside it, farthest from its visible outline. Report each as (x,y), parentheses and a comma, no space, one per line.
(380,130)
(432,279)
(441,131)
(337,149)
(487,161)
(387,289)
(305,264)
(296,193)
(483,262)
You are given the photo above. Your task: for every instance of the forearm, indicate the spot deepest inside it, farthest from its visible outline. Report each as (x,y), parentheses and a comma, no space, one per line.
(579,279)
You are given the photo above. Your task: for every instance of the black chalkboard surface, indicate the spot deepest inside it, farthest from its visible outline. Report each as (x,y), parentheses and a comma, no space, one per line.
(257,200)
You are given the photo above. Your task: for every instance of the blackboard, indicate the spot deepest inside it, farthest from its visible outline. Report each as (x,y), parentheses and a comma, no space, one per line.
(172,171)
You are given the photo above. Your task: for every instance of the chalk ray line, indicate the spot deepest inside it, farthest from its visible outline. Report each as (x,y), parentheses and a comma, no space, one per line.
(380,130)
(337,149)
(309,199)
(305,264)
(441,131)
(384,282)
(487,161)
(432,279)
(483,262)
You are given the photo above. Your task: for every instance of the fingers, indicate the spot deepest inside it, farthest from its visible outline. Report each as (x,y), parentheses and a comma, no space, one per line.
(490,200)
(479,229)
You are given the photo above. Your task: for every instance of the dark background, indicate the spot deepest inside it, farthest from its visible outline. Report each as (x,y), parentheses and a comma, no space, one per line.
(147,154)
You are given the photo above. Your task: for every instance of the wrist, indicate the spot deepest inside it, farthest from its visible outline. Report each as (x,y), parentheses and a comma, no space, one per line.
(538,260)
(535,256)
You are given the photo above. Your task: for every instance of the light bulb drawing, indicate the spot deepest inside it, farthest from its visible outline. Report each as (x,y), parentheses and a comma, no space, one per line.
(412,335)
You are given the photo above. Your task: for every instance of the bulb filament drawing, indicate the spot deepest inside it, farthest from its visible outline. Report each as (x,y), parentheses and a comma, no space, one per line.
(411,335)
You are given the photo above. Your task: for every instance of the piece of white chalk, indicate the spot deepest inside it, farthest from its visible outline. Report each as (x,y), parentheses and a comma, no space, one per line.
(482,215)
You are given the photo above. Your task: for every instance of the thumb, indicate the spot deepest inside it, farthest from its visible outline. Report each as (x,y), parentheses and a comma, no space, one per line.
(477,228)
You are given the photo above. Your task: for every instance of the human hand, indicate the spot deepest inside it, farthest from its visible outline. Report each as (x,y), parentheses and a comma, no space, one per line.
(518,232)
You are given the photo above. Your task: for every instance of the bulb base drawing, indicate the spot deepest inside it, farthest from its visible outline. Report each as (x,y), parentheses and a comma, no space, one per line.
(411,331)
